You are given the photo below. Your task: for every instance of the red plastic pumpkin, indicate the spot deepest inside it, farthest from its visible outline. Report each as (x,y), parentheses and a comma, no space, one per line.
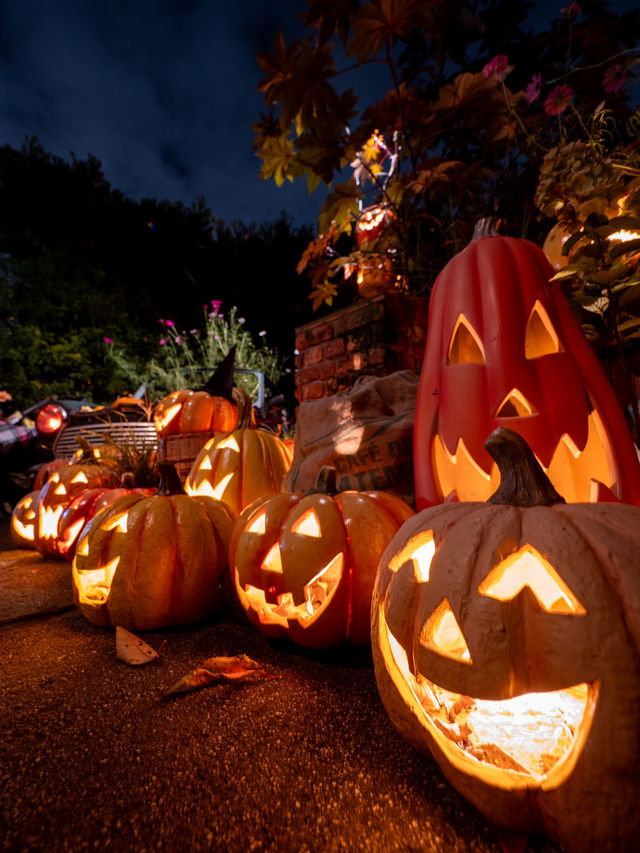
(506,643)
(303,566)
(504,349)
(82,509)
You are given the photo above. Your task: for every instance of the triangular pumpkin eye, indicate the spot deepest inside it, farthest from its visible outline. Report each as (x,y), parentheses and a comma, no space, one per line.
(308,524)
(466,346)
(540,337)
(442,634)
(528,568)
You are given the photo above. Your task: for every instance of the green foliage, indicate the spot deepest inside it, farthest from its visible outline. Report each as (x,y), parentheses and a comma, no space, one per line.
(185,359)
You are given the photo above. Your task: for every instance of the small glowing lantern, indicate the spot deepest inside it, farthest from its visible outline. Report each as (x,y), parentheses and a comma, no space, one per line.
(506,642)
(303,566)
(241,466)
(23,520)
(146,562)
(504,349)
(373,222)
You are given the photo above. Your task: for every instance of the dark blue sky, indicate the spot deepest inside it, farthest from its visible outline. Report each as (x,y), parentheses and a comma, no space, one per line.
(162,92)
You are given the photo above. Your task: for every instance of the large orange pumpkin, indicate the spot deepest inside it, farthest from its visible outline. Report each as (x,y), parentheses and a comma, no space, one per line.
(147,562)
(240,466)
(504,349)
(303,566)
(506,643)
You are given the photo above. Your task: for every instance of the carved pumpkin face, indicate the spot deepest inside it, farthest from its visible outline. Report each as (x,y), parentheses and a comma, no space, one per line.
(505,643)
(503,349)
(23,520)
(304,566)
(61,488)
(187,411)
(147,562)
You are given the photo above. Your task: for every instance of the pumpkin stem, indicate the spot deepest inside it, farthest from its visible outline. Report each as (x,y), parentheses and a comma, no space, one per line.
(170,483)
(486,227)
(522,480)
(246,419)
(325,482)
(88,455)
(220,383)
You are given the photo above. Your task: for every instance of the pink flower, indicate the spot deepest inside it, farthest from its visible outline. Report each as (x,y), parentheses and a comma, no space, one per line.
(498,66)
(107,340)
(216,304)
(614,78)
(532,92)
(558,100)
(571,11)
(193,331)
(162,341)
(179,339)
(169,323)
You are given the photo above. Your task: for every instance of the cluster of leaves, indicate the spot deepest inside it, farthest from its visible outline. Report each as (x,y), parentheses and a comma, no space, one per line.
(184,359)
(468,144)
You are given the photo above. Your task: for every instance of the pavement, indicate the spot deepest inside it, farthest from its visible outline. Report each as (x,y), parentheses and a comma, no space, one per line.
(92,757)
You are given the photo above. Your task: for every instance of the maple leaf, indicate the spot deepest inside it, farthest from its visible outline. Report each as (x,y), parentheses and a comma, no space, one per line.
(280,160)
(323,292)
(341,206)
(377,24)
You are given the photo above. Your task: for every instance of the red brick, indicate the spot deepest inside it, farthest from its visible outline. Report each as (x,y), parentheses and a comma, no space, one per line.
(317,371)
(334,348)
(313,355)
(312,391)
(377,355)
(311,335)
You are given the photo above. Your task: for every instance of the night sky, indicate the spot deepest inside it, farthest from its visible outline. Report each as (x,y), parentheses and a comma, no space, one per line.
(162,92)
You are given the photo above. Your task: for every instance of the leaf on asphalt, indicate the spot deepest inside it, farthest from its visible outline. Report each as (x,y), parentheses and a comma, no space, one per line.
(132,649)
(213,670)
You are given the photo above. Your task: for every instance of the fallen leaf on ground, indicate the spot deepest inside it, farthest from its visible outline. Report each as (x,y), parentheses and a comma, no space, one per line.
(212,670)
(132,649)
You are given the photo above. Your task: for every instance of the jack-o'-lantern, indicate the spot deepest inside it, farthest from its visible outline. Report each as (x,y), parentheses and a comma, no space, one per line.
(504,349)
(373,222)
(240,466)
(506,643)
(81,510)
(23,520)
(303,566)
(46,470)
(206,409)
(61,488)
(146,562)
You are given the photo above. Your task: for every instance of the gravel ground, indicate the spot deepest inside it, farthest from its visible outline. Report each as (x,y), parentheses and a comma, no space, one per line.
(93,758)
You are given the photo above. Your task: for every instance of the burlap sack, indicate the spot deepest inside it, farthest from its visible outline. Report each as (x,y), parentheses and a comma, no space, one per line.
(365,431)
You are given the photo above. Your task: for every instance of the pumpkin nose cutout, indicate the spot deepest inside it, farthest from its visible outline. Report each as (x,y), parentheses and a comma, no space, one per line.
(515,405)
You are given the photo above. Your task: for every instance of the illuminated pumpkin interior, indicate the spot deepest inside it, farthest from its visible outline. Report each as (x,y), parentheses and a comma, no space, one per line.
(279,608)
(575,473)
(465,346)
(540,336)
(94,585)
(515,405)
(523,739)
(48,519)
(163,421)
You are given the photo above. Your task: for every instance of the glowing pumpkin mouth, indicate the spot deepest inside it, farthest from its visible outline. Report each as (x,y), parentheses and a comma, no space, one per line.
(578,474)
(280,608)
(529,740)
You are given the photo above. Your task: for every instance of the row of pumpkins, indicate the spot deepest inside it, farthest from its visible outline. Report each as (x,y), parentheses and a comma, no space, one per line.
(504,622)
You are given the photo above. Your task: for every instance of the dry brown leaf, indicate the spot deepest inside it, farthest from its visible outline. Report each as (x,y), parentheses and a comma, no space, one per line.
(132,649)
(212,670)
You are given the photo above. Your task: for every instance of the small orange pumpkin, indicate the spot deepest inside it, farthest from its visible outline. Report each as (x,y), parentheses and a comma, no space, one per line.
(23,520)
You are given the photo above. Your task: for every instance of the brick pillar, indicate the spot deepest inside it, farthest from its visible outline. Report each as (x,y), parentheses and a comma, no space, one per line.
(375,336)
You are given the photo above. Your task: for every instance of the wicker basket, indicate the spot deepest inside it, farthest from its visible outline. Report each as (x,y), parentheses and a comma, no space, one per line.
(182,450)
